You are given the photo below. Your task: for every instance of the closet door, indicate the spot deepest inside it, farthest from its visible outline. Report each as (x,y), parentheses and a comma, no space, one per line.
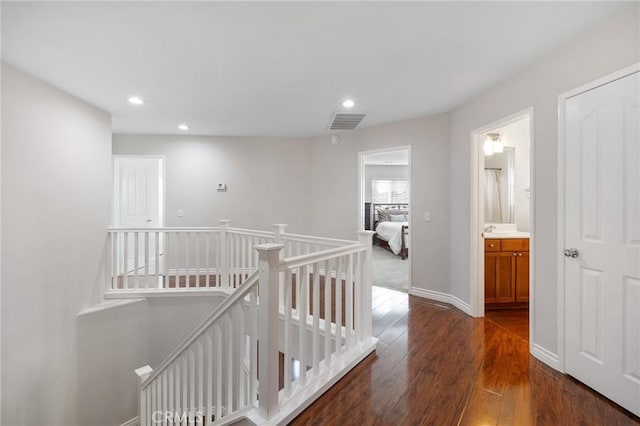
(602,239)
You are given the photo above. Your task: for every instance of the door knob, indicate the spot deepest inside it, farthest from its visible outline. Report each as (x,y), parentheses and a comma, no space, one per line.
(572,252)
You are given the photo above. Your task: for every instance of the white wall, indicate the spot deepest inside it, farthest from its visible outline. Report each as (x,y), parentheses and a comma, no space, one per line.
(55,208)
(61,368)
(334,175)
(382,172)
(171,320)
(610,46)
(268,180)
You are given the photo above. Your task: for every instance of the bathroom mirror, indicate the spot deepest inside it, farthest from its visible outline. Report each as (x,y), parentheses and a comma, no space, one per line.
(499,186)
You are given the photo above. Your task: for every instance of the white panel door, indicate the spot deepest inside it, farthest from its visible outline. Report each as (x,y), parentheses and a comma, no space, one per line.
(139,205)
(602,222)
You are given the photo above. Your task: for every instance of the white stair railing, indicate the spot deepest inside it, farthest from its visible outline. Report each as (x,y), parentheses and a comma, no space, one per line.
(168,261)
(213,373)
(312,309)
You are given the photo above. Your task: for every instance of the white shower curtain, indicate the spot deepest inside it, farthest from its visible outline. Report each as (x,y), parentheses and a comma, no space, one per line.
(492,198)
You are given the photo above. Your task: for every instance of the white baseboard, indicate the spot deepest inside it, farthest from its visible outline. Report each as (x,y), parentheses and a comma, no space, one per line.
(131,422)
(441,297)
(546,356)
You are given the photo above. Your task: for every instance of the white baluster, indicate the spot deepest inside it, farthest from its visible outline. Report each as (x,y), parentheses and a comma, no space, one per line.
(228,338)
(177,245)
(302,302)
(348,301)
(125,284)
(357,307)
(192,382)
(185,384)
(243,258)
(236,260)
(315,351)
(164,377)
(178,383)
(146,260)
(136,256)
(210,375)
(157,256)
(253,362)
(170,389)
(114,260)
(207,256)
(338,304)
(188,261)
(287,332)
(197,235)
(218,345)
(224,251)
(199,353)
(327,313)
(240,354)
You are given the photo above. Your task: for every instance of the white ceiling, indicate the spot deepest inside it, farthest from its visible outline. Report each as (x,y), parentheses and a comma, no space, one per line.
(393,158)
(281,69)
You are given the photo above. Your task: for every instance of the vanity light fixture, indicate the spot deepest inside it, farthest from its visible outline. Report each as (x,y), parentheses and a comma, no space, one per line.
(493,144)
(135,100)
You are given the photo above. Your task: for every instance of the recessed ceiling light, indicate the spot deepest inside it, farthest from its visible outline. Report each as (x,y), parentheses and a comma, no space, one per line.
(135,100)
(183,127)
(348,103)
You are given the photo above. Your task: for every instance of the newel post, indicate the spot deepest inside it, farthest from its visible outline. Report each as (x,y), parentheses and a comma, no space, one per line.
(143,373)
(366,238)
(224,253)
(268,288)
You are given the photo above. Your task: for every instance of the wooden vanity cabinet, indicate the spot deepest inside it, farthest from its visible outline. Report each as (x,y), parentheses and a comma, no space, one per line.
(506,271)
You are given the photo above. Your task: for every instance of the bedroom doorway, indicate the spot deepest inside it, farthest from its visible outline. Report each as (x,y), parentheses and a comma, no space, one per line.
(384,206)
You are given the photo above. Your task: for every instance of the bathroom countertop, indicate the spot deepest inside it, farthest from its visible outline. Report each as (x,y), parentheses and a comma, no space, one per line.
(508,234)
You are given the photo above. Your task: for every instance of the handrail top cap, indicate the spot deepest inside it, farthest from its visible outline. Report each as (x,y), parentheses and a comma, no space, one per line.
(269,247)
(144,370)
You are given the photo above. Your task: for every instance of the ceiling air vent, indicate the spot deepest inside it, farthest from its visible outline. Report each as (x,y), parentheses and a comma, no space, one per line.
(342,121)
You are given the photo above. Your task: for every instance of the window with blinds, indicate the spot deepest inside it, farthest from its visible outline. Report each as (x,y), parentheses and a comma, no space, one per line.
(389,191)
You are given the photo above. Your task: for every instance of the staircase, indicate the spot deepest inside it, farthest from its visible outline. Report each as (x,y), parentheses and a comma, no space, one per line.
(297,318)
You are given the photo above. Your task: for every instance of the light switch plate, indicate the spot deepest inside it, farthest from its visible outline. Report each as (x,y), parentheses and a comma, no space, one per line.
(180,213)
(427,216)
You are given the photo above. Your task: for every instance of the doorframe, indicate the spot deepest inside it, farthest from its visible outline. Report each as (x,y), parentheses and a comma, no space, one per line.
(562,98)
(361,192)
(477,215)
(114,183)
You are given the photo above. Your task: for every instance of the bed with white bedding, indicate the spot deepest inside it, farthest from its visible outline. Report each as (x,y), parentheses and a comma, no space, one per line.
(392,233)
(392,227)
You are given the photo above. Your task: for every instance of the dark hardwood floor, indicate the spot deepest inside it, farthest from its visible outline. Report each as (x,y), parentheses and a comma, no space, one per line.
(435,365)
(515,321)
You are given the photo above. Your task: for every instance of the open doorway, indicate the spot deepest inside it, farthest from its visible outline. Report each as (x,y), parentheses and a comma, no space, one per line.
(384,205)
(503,223)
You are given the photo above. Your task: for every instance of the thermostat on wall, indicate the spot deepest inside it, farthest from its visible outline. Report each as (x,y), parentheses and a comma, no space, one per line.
(222,187)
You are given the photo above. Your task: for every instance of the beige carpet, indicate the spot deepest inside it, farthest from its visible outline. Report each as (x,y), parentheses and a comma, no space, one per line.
(389,270)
